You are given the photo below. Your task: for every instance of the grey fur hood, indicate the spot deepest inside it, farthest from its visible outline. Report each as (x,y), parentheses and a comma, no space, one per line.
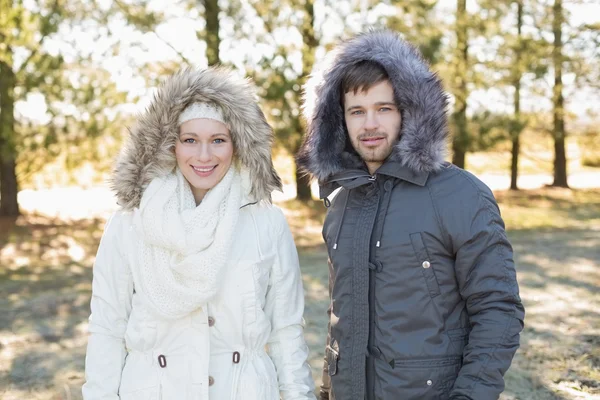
(149,151)
(419,94)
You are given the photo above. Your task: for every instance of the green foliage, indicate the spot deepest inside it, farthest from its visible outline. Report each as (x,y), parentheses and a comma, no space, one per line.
(417,21)
(82,101)
(489,129)
(590,148)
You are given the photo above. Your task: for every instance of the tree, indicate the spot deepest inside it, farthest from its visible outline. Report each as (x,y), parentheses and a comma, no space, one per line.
(8,182)
(80,98)
(21,29)
(211,34)
(460,142)
(418,22)
(309,45)
(518,57)
(280,79)
(515,131)
(560,156)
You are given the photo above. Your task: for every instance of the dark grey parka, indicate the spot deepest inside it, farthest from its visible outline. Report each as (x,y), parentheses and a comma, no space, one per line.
(424,298)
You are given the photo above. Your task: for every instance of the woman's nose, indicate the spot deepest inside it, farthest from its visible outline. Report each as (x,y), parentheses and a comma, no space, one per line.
(204,153)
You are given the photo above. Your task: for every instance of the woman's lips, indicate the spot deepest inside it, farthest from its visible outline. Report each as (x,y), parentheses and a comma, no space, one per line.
(204,171)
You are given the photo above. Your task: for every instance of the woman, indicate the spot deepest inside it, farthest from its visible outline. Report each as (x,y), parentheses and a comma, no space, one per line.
(197,272)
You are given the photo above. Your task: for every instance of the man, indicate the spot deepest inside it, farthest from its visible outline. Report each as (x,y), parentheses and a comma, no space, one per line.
(424,298)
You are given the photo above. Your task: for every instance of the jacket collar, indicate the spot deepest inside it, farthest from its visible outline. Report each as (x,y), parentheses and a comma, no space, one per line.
(353,178)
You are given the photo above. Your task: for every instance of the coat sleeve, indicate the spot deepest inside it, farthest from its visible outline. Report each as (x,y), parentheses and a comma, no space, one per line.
(285,307)
(487,282)
(326,379)
(112,289)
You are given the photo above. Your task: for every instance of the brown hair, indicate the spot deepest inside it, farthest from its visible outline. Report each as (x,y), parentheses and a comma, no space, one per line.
(362,76)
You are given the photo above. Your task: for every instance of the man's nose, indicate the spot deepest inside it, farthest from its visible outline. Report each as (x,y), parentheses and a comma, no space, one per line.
(371,121)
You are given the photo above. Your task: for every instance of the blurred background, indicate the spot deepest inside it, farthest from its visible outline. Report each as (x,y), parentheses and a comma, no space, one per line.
(524,81)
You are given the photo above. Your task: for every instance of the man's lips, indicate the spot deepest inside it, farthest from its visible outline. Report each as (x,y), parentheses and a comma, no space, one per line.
(372,140)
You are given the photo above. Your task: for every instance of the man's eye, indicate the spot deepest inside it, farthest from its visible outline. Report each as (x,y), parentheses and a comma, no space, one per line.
(385,109)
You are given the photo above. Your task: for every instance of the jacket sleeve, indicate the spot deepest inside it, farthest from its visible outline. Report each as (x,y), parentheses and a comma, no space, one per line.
(285,307)
(112,290)
(487,282)
(326,379)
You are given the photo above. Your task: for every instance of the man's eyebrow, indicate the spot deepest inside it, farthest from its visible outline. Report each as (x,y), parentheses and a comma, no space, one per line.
(379,103)
(353,108)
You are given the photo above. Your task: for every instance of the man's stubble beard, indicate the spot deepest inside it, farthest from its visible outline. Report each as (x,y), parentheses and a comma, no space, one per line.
(378,154)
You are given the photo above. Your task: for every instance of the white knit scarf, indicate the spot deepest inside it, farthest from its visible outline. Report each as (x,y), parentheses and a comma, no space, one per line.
(183,248)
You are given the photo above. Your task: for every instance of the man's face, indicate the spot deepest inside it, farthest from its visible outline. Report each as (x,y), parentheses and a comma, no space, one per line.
(373,122)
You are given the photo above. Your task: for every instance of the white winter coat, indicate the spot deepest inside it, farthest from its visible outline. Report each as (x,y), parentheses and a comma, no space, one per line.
(246,344)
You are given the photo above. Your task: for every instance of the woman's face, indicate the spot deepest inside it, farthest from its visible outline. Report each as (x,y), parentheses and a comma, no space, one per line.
(204,153)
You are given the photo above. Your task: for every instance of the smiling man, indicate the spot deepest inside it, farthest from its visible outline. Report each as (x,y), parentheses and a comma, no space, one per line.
(424,297)
(372,119)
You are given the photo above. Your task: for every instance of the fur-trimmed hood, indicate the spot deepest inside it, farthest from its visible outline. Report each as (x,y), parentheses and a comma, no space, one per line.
(418,92)
(149,151)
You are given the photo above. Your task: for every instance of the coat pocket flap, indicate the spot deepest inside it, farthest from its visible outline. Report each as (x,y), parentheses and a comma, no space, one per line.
(425,263)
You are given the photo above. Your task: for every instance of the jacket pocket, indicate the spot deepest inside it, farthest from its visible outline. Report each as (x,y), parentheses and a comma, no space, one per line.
(425,263)
(333,355)
(425,379)
(459,338)
(142,328)
(261,273)
(139,379)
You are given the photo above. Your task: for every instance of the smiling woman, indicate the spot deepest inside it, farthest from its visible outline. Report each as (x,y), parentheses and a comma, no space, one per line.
(204,150)
(197,291)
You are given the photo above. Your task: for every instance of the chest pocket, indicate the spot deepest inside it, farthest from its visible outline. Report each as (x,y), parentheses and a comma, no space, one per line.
(253,279)
(425,263)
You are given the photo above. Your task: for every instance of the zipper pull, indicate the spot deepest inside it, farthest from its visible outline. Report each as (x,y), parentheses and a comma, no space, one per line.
(373,178)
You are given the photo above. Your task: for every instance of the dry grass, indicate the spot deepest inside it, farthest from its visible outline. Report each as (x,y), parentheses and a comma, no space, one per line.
(45,281)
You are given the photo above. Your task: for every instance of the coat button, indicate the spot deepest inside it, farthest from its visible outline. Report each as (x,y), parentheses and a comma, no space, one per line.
(211,321)
(429,382)
(426,264)
(211,381)
(162,361)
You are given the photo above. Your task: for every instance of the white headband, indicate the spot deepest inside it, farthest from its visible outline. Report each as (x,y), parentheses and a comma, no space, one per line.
(201,110)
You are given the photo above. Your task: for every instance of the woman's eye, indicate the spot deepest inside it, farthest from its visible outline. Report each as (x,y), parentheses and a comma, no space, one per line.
(357,112)
(219,141)
(189,140)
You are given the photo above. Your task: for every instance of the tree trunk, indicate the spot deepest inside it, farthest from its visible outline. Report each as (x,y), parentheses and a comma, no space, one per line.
(303,191)
(517,127)
(309,45)
(560,156)
(9,188)
(460,141)
(213,41)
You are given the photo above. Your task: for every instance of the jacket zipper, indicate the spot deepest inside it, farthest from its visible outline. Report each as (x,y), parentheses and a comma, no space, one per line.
(370,358)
